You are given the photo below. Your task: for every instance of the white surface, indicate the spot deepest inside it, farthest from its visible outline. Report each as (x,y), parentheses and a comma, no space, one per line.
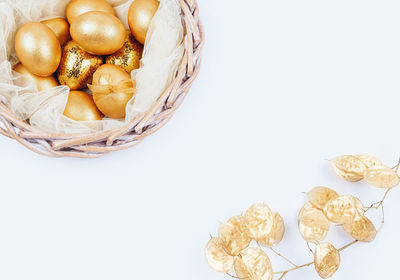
(284,86)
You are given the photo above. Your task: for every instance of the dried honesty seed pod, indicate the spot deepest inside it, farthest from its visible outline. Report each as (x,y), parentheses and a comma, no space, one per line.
(313,224)
(253,264)
(259,219)
(344,209)
(234,235)
(382,177)
(369,160)
(349,168)
(362,230)
(276,234)
(319,196)
(216,256)
(326,260)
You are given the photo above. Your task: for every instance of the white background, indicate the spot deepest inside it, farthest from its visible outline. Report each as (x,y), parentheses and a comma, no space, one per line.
(284,86)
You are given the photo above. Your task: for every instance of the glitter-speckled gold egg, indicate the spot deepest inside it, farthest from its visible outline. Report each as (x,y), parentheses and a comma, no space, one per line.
(112,89)
(77,66)
(80,107)
(140,15)
(42,83)
(326,260)
(60,27)
(128,57)
(38,48)
(98,33)
(76,8)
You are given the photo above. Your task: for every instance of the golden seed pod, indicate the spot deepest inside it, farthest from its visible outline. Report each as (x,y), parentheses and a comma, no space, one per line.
(349,168)
(259,220)
(216,256)
(382,177)
(42,83)
(80,107)
(140,15)
(38,48)
(277,232)
(312,223)
(326,260)
(77,66)
(369,160)
(60,27)
(128,57)
(344,209)
(234,235)
(319,196)
(75,8)
(253,264)
(112,89)
(362,229)
(98,33)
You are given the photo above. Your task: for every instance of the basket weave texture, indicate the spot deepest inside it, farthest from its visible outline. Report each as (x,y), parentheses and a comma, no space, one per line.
(98,144)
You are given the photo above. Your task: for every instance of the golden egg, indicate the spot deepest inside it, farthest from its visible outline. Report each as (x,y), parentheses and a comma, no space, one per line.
(112,89)
(60,27)
(42,83)
(75,8)
(38,48)
(128,57)
(80,107)
(98,33)
(77,66)
(140,15)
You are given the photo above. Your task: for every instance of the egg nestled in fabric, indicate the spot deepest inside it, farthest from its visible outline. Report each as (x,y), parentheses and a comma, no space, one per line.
(75,8)
(38,48)
(80,107)
(42,83)
(98,33)
(60,27)
(140,15)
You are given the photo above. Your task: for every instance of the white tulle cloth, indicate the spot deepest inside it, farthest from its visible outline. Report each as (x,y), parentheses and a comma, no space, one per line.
(162,54)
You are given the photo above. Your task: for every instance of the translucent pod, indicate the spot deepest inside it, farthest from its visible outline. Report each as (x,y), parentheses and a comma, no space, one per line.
(362,229)
(319,196)
(253,264)
(259,219)
(276,234)
(313,224)
(344,209)
(350,168)
(369,160)
(326,260)
(382,177)
(234,235)
(216,256)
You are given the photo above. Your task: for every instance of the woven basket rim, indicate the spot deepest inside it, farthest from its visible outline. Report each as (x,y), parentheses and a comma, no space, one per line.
(96,144)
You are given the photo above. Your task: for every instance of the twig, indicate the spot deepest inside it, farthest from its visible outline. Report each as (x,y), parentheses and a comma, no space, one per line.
(378,204)
(283,257)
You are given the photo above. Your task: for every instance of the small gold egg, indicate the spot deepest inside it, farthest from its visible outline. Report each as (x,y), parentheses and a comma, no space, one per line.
(140,15)
(60,27)
(80,107)
(75,8)
(77,66)
(98,33)
(128,57)
(38,48)
(112,89)
(42,83)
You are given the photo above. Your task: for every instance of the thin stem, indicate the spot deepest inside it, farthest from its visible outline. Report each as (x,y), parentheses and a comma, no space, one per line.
(378,204)
(283,257)
(285,272)
(233,276)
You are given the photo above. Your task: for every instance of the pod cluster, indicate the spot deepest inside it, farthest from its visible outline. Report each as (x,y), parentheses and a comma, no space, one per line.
(231,250)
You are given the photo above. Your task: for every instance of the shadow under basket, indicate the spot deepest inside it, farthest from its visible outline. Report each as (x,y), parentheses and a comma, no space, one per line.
(100,143)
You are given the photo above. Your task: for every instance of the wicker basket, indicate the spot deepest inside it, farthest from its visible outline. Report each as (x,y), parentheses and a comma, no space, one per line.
(98,144)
